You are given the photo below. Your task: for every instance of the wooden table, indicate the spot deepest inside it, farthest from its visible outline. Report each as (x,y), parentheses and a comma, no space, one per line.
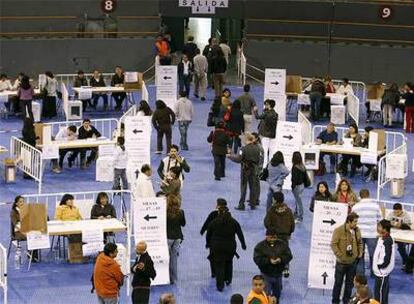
(76,227)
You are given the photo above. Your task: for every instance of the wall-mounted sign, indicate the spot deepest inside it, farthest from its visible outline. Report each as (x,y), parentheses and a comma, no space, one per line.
(108,6)
(203,6)
(386,12)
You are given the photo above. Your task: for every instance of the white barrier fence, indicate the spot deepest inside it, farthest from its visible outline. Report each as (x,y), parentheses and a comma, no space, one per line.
(3,272)
(306,128)
(144,92)
(389,204)
(353,108)
(29,159)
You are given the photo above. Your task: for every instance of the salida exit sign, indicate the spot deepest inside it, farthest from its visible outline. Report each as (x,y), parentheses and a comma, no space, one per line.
(203,6)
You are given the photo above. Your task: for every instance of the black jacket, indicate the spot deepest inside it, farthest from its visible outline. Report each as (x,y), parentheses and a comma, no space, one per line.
(268,123)
(180,69)
(209,219)
(82,133)
(80,82)
(319,197)
(174,225)
(219,65)
(142,277)
(220,141)
(98,211)
(236,122)
(29,137)
(390,97)
(163,118)
(190,49)
(221,238)
(280,218)
(94,83)
(298,176)
(264,251)
(318,86)
(409,99)
(117,79)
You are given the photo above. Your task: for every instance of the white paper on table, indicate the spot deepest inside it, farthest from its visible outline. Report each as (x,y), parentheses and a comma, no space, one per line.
(37,240)
(50,151)
(373,142)
(92,248)
(92,235)
(336,99)
(85,94)
(369,158)
(131,76)
(106,150)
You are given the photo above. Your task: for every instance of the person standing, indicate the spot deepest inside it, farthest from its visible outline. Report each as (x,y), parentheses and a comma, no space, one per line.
(162,119)
(107,275)
(25,94)
(277,175)
(143,272)
(81,81)
(383,263)
(346,244)
(249,159)
(221,239)
(408,95)
(369,214)
(247,106)
(344,194)
(190,48)
(173,159)
(258,143)
(234,124)
(49,101)
(184,113)
(221,203)
(300,180)
(317,92)
(267,129)
(143,185)
(118,81)
(218,69)
(171,184)
(162,50)
(220,144)
(120,165)
(389,101)
(185,72)
(200,75)
(225,49)
(345,88)
(271,256)
(210,52)
(175,220)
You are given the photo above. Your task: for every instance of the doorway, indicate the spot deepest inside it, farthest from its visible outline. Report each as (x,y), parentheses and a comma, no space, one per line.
(200,29)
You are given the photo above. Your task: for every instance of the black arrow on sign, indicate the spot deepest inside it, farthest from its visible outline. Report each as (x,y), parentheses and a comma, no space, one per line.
(288,137)
(275,83)
(167,77)
(136,131)
(324,276)
(331,221)
(148,217)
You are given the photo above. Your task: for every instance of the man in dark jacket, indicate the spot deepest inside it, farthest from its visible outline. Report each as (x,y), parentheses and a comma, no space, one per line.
(235,125)
(190,48)
(218,68)
(267,129)
(221,203)
(220,144)
(118,81)
(318,90)
(249,159)
(271,255)
(221,239)
(97,81)
(185,70)
(143,270)
(162,120)
(81,81)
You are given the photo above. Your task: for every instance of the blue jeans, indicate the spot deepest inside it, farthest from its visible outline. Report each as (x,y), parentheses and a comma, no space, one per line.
(184,84)
(120,174)
(371,244)
(342,271)
(269,201)
(174,250)
(183,127)
(402,249)
(315,99)
(297,193)
(273,286)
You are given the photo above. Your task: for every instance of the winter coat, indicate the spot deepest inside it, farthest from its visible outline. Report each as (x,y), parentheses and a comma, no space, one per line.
(220,141)
(98,210)
(390,97)
(163,118)
(236,123)
(268,122)
(277,176)
(142,278)
(107,277)
(174,225)
(264,251)
(299,176)
(280,218)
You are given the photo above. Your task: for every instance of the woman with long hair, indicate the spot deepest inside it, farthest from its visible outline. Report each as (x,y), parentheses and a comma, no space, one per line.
(49,101)
(67,211)
(102,208)
(299,179)
(144,109)
(355,160)
(175,220)
(25,94)
(162,119)
(235,125)
(277,174)
(344,194)
(321,194)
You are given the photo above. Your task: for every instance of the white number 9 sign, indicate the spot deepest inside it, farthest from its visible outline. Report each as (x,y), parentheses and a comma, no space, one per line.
(108,6)
(385,12)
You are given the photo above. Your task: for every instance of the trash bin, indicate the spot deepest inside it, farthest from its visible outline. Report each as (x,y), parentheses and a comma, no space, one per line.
(397,187)
(9,170)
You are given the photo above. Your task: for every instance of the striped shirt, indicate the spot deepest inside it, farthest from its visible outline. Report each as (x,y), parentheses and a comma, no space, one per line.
(369,214)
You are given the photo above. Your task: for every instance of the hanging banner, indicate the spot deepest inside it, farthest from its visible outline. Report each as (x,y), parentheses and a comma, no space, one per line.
(275,88)
(150,225)
(166,82)
(37,240)
(326,217)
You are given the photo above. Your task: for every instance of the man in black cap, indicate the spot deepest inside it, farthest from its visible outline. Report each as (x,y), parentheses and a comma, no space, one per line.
(221,202)
(271,255)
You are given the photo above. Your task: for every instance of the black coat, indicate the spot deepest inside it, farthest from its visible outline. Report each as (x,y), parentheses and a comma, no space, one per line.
(29,137)
(82,133)
(264,251)
(117,79)
(98,211)
(298,176)
(221,238)
(220,141)
(190,50)
(180,69)
(163,118)
(99,83)
(219,65)
(207,222)
(174,225)
(236,122)
(268,123)
(142,278)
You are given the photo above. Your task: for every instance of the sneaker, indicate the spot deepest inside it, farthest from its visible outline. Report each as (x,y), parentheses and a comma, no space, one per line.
(240,208)
(203,98)
(196,95)
(56,170)
(286,273)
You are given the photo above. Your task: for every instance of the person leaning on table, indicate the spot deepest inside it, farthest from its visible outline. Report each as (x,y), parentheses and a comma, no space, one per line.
(66,211)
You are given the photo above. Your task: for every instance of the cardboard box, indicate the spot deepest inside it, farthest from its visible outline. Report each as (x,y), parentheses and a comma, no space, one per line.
(381,139)
(39,133)
(133,86)
(375,91)
(75,252)
(34,217)
(294,84)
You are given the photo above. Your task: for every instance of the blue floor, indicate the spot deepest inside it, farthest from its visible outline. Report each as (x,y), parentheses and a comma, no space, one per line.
(53,282)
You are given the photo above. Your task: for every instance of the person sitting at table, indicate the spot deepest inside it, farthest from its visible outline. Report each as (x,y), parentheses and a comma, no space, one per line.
(84,132)
(64,135)
(321,194)
(328,137)
(81,81)
(118,81)
(401,219)
(344,194)
(389,101)
(355,159)
(345,88)
(98,81)
(171,183)
(102,208)
(66,211)
(15,224)
(372,169)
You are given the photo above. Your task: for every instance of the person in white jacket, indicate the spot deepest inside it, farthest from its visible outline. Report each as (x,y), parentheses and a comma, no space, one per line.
(143,185)
(384,260)
(120,165)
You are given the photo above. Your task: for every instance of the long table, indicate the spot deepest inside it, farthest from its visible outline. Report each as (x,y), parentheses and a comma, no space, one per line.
(404,236)
(76,227)
(9,93)
(338,149)
(81,143)
(335,99)
(108,90)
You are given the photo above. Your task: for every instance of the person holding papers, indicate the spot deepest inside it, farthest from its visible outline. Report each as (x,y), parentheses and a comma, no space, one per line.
(118,81)
(102,208)
(171,183)
(355,159)
(66,211)
(98,81)
(143,185)
(143,272)
(86,131)
(66,134)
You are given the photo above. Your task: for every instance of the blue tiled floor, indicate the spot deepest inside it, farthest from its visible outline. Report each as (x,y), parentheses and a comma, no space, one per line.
(52,282)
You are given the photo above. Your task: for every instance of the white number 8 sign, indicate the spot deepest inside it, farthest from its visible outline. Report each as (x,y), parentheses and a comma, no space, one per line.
(108,6)
(385,12)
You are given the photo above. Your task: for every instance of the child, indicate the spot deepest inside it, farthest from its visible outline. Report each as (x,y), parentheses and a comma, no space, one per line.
(120,164)
(257,294)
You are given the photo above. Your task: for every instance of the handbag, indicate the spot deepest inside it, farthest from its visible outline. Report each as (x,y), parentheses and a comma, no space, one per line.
(210,120)
(264,174)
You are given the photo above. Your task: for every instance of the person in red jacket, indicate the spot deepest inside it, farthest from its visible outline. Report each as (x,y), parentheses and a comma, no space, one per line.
(107,275)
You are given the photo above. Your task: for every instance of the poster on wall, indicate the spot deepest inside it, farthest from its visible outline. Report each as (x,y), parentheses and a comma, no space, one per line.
(166,83)
(275,88)
(150,225)
(326,217)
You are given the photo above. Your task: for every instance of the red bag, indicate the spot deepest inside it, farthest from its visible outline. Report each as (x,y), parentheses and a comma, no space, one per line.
(227,115)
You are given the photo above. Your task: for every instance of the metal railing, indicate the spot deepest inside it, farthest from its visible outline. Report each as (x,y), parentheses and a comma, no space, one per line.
(29,159)
(105,126)
(3,272)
